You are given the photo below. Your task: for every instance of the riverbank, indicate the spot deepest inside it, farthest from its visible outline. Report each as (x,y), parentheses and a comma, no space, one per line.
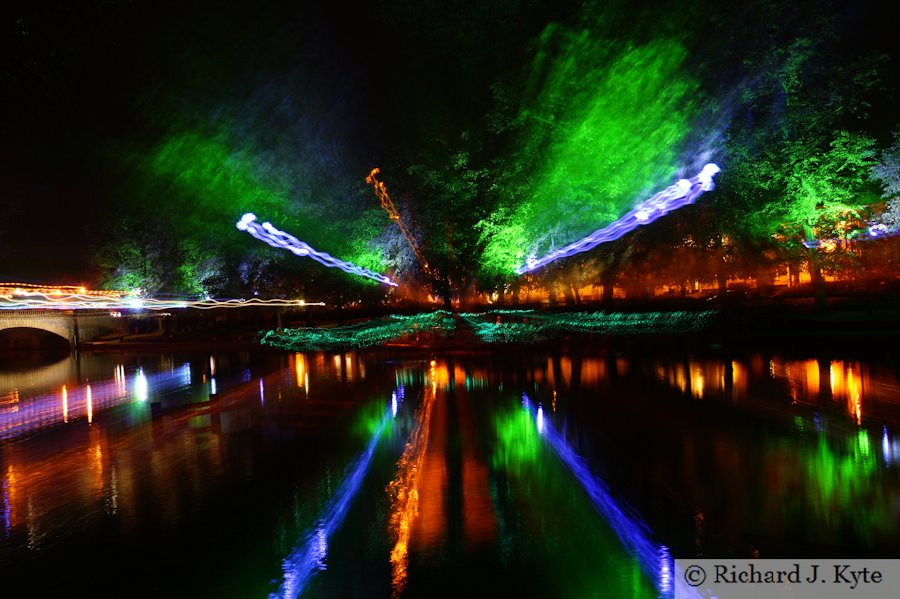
(872,324)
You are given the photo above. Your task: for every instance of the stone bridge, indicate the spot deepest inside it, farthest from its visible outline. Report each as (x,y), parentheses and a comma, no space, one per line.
(73,326)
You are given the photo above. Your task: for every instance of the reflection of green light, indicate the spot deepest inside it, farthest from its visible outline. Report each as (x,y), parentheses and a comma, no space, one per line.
(843,488)
(544,515)
(518,440)
(863,437)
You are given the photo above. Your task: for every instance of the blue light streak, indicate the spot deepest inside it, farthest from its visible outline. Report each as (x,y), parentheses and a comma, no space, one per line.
(653,559)
(301,565)
(279,239)
(682,193)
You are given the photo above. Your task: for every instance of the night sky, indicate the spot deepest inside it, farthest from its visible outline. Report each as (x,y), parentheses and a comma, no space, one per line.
(87,84)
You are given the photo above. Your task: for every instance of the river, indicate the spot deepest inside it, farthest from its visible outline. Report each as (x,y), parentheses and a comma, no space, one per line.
(559,471)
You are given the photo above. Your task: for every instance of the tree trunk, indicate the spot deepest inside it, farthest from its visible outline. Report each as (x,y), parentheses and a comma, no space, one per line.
(793,274)
(607,279)
(567,294)
(818,281)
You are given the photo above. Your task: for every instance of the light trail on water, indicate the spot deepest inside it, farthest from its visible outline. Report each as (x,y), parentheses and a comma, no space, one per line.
(301,565)
(654,559)
(680,194)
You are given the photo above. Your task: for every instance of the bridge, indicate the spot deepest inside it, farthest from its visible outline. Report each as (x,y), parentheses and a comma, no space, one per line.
(75,326)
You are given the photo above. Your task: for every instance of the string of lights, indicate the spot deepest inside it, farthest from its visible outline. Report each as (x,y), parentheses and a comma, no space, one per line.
(367,334)
(42,301)
(681,193)
(528,326)
(279,239)
(386,203)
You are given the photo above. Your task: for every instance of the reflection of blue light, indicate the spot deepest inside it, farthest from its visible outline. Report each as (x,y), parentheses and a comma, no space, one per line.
(394,404)
(7,508)
(140,386)
(540,419)
(665,572)
(630,529)
(886,447)
(305,560)
(185,371)
(262,392)
(212,386)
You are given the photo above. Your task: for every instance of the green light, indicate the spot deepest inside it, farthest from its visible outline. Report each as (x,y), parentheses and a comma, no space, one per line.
(367,334)
(528,326)
(604,128)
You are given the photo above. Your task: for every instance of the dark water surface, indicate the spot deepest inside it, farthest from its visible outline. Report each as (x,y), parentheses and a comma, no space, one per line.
(543,473)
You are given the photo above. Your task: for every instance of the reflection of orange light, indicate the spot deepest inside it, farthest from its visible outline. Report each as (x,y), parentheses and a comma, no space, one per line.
(697,381)
(65,404)
(404,490)
(593,371)
(854,396)
(459,376)
(90,405)
(678,378)
(812,377)
(836,372)
(300,369)
(348,360)
(565,367)
(738,379)
(440,375)
(98,467)
(11,489)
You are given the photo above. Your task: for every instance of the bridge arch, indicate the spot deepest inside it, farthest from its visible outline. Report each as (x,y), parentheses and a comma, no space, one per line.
(58,326)
(73,328)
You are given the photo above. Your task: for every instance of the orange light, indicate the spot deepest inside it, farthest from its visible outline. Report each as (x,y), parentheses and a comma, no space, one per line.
(386,203)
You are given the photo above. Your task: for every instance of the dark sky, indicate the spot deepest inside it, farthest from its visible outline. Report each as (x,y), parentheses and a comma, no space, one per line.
(80,78)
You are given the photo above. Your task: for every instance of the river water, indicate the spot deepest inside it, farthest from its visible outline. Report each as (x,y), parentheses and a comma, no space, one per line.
(550,472)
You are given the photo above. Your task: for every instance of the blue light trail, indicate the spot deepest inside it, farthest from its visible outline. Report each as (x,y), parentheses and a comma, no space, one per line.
(279,239)
(301,565)
(653,559)
(682,193)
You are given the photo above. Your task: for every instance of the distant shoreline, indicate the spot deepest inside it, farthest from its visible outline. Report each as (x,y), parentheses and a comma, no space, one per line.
(863,328)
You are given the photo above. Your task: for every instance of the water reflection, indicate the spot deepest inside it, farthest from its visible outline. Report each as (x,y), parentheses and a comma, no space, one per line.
(404,489)
(421,475)
(24,416)
(312,554)
(631,530)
